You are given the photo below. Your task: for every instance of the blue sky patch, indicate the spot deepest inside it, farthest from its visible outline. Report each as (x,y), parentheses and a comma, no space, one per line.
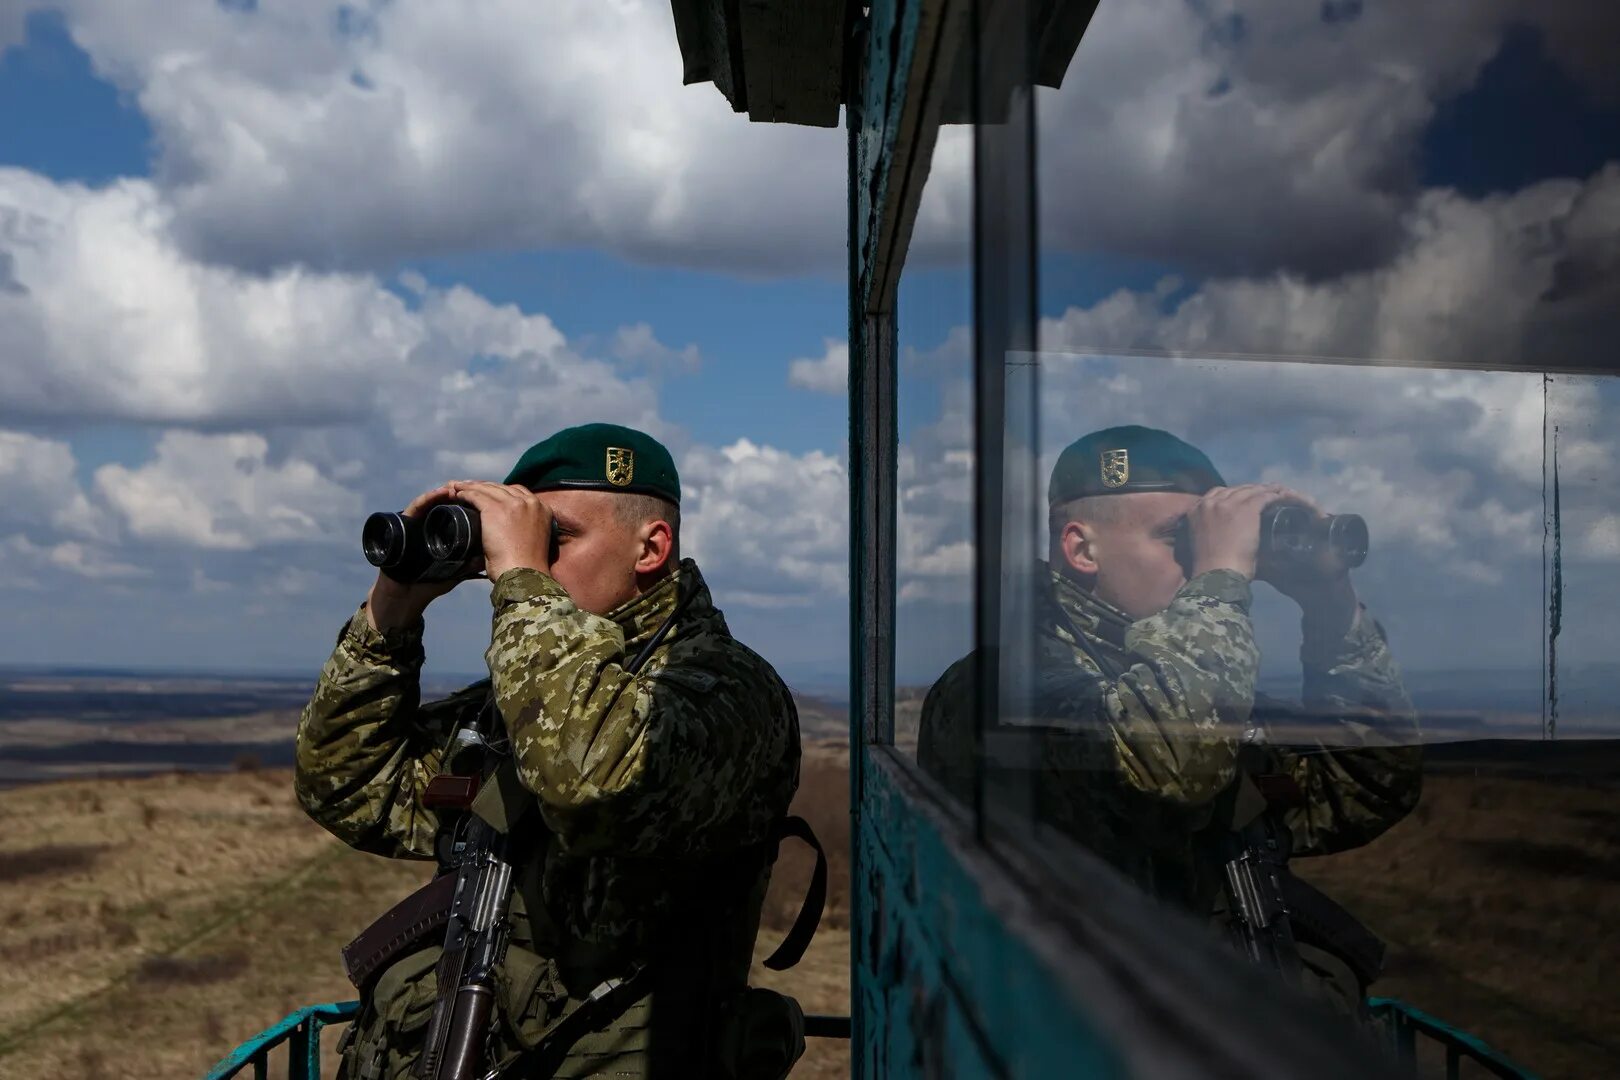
(1524,119)
(59,118)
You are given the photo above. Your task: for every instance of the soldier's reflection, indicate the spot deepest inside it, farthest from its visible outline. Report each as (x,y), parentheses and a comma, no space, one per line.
(1155,751)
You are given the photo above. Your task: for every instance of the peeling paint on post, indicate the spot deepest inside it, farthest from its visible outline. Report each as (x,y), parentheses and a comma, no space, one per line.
(946,983)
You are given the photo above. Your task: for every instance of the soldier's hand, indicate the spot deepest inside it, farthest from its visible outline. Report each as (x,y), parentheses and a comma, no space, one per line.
(516,525)
(394,605)
(1225,527)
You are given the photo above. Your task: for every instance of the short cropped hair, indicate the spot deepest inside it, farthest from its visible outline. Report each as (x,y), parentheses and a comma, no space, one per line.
(636,510)
(1096,509)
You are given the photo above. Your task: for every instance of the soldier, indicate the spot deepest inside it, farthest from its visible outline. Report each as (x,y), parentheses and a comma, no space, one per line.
(653,793)
(1155,750)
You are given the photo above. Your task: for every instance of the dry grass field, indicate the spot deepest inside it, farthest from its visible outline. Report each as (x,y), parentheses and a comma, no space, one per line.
(148,925)
(1497,898)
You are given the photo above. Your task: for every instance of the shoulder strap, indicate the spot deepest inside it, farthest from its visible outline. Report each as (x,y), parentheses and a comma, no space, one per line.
(791,951)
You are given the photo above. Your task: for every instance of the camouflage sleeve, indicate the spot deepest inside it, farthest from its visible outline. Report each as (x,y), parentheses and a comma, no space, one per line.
(664,762)
(1177,714)
(366,746)
(1363,769)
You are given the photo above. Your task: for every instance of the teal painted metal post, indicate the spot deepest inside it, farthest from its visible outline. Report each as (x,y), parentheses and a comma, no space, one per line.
(855,457)
(300,1030)
(304,1052)
(1405,1037)
(1406,1022)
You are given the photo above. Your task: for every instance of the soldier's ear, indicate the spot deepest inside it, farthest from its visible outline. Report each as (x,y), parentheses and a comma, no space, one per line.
(657,547)
(1079,545)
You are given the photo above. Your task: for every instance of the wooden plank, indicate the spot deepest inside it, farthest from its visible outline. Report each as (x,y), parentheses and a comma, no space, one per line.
(692,35)
(793,60)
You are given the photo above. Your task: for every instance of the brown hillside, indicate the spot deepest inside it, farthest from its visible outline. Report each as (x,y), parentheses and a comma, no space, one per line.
(1498,899)
(197,909)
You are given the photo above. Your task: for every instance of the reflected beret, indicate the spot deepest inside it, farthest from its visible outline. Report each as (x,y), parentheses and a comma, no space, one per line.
(599,457)
(1122,460)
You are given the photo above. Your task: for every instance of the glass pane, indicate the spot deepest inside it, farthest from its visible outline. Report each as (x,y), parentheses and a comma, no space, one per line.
(934,507)
(1340,259)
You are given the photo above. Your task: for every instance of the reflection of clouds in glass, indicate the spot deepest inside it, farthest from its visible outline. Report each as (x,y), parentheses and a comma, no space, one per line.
(934,515)
(1473,282)
(1256,135)
(1447,463)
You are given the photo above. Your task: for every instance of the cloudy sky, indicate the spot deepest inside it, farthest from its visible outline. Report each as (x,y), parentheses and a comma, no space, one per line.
(264,268)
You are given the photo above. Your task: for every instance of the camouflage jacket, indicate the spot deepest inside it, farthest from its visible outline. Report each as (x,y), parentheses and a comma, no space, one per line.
(1155,719)
(1145,726)
(641,781)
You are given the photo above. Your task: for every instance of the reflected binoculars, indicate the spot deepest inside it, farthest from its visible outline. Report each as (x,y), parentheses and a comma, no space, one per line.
(1293,534)
(441,545)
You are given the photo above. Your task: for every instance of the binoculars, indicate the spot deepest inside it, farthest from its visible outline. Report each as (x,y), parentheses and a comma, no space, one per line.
(442,545)
(1293,534)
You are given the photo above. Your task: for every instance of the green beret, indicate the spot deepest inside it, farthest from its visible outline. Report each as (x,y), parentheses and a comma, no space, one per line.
(599,457)
(1121,460)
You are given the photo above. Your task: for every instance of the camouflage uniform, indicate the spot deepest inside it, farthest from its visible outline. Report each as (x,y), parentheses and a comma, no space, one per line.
(1148,727)
(655,792)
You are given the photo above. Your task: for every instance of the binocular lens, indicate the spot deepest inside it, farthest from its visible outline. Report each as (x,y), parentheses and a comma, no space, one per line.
(1287,530)
(452,533)
(1293,531)
(384,538)
(1347,534)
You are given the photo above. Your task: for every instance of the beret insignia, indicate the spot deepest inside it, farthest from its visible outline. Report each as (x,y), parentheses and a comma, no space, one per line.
(621,466)
(1126,459)
(1116,468)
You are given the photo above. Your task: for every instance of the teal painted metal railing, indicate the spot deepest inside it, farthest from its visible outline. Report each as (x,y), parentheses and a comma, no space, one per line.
(301,1031)
(1406,1023)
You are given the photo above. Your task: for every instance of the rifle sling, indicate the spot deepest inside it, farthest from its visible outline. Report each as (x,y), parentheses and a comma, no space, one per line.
(804,926)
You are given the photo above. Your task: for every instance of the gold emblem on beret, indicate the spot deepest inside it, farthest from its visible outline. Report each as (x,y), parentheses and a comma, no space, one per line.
(621,466)
(1116,468)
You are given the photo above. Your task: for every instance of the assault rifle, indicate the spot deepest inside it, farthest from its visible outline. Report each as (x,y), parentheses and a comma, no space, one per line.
(475,936)
(1257,907)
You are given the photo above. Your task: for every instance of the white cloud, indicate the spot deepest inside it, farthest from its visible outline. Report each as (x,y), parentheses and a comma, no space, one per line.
(337,396)
(110,320)
(223,492)
(29,565)
(637,345)
(1229,136)
(339,134)
(90,562)
(770,524)
(826,374)
(39,487)
(528,383)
